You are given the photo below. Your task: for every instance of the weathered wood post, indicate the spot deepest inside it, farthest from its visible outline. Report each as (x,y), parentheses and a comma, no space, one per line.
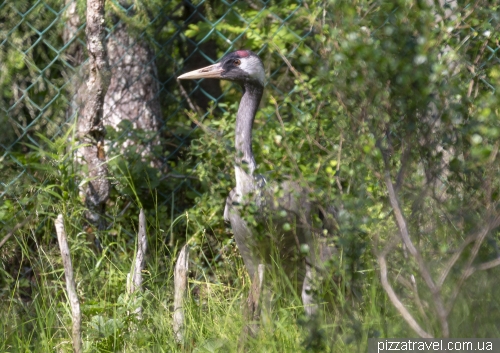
(181,285)
(134,278)
(70,284)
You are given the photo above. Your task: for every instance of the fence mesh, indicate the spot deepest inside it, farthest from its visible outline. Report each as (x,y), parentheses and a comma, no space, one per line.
(42,61)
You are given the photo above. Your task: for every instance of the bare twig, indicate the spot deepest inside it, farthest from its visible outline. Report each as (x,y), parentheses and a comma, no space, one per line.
(495,223)
(202,126)
(193,106)
(397,303)
(134,279)
(424,271)
(317,144)
(178,176)
(259,8)
(294,71)
(468,267)
(485,266)
(180,284)
(70,284)
(451,262)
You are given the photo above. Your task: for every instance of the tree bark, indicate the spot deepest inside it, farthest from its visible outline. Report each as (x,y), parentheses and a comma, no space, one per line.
(133,93)
(90,123)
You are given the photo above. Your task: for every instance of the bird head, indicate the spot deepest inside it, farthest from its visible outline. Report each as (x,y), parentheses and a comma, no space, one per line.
(242,66)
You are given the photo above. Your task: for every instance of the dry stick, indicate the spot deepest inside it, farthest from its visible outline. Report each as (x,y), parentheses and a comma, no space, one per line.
(251,313)
(180,284)
(194,107)
(134,278)
(424,271)
(419,301)
(476,60)
(70,284)
(197,109)
(397,303)
(454,258)
(491,225)
(485,266)
(294,71)
(468,267)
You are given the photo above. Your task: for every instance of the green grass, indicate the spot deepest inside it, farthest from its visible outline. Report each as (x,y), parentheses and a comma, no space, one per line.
(36,315)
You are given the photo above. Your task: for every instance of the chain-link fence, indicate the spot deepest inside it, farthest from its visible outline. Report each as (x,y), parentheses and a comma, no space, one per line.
(375,127)
(42,60)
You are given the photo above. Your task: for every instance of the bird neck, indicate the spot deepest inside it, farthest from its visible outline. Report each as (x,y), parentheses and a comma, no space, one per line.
(245,162)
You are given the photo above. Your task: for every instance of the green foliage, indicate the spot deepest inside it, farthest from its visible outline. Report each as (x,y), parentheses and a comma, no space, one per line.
(393,93)
(368,89)
(33,73)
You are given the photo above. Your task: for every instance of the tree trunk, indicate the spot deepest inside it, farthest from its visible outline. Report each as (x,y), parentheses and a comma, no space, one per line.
(133,94)
(90,124)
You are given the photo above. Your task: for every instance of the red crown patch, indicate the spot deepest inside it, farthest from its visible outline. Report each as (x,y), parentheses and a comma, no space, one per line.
(242,53)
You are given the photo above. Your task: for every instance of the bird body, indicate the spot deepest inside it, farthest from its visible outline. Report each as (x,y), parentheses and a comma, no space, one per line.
(282,213)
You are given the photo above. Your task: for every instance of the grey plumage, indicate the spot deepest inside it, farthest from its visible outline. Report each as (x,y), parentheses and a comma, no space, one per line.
(283,212)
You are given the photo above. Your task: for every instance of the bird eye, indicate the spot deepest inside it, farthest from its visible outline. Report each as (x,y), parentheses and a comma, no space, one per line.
(237,62)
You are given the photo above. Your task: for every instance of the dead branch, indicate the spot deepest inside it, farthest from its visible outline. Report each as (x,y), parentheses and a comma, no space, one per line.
(485,266)
(290,66)
(181,285)
(397,303)
(70,284)
(134,279)
(495,223)
(424,271)
(194,107)
(468,267)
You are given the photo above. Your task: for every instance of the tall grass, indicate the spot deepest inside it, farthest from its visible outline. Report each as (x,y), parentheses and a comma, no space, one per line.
(36,316)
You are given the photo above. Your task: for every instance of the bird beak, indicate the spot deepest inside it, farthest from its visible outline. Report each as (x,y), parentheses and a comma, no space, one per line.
(212,71)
